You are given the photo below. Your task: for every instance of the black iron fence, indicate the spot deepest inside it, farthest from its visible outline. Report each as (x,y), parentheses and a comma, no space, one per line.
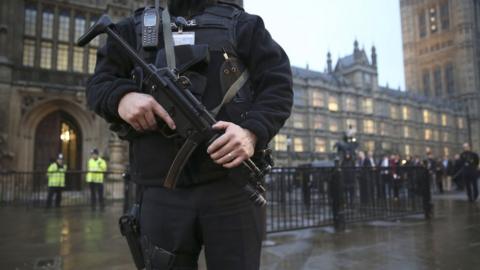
(297,197)
(31,188)
(311,197)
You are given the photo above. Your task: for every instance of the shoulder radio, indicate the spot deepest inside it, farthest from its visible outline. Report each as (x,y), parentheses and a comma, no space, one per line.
(150,28)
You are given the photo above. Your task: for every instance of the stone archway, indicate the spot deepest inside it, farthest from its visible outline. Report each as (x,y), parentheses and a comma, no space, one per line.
(31,120)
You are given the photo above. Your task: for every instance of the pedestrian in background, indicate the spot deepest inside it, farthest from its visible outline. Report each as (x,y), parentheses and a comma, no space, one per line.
(95,176)
(439,175)
(448,172)
(469,160)
(456,172)
(56,181)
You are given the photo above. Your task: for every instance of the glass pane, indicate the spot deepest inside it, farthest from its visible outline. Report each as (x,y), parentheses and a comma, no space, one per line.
(47,25)
(28,53)
(30,21)
(62,57)
(46,55)
(79,27)
(64,28)
(92,60)
(78,59)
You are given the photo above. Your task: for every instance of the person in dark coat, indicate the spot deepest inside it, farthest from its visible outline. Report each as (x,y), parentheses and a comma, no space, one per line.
(456,173)
(349,179)
(209,206)
(469,161)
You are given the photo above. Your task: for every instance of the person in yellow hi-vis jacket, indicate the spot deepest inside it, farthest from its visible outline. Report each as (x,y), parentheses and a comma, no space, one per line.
(56,181)
(95,176)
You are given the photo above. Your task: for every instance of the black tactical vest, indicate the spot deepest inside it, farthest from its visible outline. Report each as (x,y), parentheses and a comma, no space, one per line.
(211,75)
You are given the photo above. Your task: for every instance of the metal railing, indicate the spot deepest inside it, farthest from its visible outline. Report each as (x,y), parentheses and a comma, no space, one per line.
(298,198)
(31,188)
(301,198)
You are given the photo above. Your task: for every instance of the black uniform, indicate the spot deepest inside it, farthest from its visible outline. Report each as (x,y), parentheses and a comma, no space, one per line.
(469,160)
(209,208)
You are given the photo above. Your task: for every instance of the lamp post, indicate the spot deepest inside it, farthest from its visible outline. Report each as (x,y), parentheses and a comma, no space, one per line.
(469,124)
(289,151)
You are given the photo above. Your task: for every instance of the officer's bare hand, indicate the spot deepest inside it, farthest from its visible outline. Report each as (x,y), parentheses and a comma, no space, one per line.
(233,147)
(139,111)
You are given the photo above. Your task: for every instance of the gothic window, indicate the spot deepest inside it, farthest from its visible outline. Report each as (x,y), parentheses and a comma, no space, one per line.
(445,16)
(78,59)
(422,24)
(444,120)
(426,83)
(437,81)
(28,53)
(319,122)
(47,24)
(368,105)
(62,57)
(428,134)
(30,21)
(405,113)
(333,103)
(351,105)
(393,112)
(449,79)
(79,27)
(299,98)
(333,125)
(368,126)
(299,121)
(426,117)
(280,142)
(320,145)
(406,132)
(64,26)
(351,123)
(46,55)
(317,99)
(298,145)
(92,60)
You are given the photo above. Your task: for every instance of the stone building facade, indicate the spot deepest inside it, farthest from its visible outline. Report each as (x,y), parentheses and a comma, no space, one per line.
(42,83)
(43,107)
(441,43)
(386,120)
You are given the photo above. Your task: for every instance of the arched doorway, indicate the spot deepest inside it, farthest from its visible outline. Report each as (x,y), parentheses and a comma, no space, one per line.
(58,132)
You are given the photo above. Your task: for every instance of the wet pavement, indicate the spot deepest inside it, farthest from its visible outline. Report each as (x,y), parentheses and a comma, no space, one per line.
(76,238)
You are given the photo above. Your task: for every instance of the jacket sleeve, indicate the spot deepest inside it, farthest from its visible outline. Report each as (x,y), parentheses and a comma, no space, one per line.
(111,82)
(270,75)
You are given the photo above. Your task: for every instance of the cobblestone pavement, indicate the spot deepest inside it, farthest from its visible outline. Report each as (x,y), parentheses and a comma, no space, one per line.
(77,238)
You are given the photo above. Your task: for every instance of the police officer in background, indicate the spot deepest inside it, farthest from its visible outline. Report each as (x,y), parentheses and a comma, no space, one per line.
(97,167)
(56,181)
(469,160)
(208,208)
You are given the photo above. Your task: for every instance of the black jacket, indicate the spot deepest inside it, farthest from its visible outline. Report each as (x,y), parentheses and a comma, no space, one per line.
(264,116)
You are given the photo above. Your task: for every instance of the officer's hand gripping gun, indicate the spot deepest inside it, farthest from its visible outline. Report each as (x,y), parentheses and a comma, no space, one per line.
(193,121)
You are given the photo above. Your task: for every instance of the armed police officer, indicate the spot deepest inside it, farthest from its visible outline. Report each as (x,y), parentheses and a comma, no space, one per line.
(469,160)
(243,77)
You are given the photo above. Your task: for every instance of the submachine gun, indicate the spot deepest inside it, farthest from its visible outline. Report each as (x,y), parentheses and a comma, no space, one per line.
(193,121)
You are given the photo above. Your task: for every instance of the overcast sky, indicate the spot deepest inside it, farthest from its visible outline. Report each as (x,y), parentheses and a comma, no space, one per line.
(308,29)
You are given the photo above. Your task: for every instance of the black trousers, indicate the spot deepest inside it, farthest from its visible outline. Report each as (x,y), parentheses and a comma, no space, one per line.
(96,192)
(218,216)
(57,191)
(471,183)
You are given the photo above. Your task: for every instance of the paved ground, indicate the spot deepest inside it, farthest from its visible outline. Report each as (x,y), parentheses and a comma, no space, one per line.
(76,238)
